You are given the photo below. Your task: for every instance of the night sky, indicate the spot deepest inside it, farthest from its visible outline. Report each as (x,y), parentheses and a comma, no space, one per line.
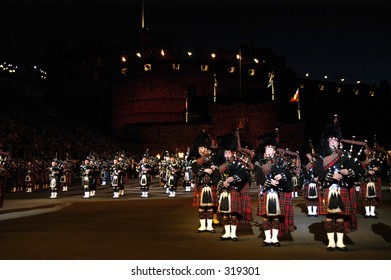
(346,38)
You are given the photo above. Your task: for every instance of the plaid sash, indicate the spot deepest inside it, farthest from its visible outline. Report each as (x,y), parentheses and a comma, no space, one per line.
(332,159)
(267,167)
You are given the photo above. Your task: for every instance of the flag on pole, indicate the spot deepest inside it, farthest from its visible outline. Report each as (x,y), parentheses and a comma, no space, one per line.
(295,97)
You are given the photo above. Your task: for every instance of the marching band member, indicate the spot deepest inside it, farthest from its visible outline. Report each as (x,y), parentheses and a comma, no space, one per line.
(371,185)
(54,173)
(164,171)
(338,172)
(144,170)
(233,189)
(4,174)
(117,174)
(188,173)
(204,193)
(311,185)
(174,169)
(86,172)
(123,177)
(66,178)
(30,177)
(275,206)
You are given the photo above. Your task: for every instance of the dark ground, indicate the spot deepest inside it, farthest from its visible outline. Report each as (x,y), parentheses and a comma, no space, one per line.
(34,227)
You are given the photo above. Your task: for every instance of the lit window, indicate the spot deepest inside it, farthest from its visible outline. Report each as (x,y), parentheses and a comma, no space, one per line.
(147,67)
(204,68)
(339,89)
(372,93)
(176,66)
(251,72)
(356,92)
(123,71)
(321,87)
(231,69)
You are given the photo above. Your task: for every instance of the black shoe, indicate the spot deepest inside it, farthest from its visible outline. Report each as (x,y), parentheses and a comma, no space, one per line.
(375,217)
(199,231)
(211,231)
(224,238)
(276,244)
(366,216)
(344,249)
(329,248)
(266,244)
(234,239)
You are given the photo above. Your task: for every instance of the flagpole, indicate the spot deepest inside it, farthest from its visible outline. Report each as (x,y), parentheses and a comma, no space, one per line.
(215,89)
(271,83)
(272,90)
(240,74)
(298,109)
(187,109)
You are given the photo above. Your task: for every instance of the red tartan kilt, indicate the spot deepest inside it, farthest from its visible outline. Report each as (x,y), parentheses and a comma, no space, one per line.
(345,196)
(236,202)
(285,199)
(197,195)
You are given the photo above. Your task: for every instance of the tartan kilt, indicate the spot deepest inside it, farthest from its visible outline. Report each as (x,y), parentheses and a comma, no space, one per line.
(246,211)
(287,211)
(236,202)
(282,199)
(197,192)
(377,199)
(346,199)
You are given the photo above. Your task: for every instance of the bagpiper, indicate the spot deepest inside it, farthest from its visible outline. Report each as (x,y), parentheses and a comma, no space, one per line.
(117,175)
(371,185)
(187,172)
(338,173)
(275,205)
(30,177)
(204,192)
(144,170)
(233,188)
(311,183)
(87,175)
(54,173)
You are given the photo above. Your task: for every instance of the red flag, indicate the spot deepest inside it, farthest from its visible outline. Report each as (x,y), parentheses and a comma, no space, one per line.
(295,97)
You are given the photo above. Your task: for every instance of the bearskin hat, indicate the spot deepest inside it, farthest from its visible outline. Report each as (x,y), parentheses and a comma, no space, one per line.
(329,131)
(202,140)
(228,142)
(267,139)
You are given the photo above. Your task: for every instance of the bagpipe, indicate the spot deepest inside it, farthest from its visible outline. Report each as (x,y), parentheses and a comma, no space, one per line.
(244,155)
